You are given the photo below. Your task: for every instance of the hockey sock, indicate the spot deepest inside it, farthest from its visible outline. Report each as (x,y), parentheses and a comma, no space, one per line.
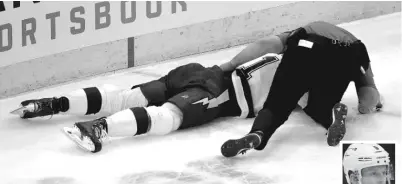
(107,98)
(140,120)
(129,122)
(84,101)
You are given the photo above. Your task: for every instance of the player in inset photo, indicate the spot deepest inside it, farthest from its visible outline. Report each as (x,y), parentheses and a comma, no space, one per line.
(368,163)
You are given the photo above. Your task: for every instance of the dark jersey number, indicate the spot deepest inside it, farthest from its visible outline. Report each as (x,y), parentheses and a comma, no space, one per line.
(246,71)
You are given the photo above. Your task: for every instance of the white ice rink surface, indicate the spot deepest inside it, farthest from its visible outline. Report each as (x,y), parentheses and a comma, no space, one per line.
(35,151)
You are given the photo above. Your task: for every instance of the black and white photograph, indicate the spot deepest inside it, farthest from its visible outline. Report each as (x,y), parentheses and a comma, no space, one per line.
(368,163)
(197,92)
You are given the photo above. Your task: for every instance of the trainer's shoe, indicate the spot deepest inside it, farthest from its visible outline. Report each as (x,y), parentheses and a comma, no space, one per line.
(234,147)
(89,135)
(337,130)
(42,107)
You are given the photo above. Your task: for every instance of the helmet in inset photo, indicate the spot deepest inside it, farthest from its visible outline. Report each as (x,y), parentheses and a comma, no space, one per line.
(361,155)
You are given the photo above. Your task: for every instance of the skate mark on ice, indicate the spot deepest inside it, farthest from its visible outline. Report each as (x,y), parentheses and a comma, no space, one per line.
(229,169)
(161,177)
(56,180)
(211,171)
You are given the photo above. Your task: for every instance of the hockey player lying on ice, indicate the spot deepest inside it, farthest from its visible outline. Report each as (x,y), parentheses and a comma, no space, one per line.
(318,58)
(188,96)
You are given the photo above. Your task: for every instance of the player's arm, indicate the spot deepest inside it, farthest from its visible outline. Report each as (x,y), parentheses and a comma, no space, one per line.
(271,44)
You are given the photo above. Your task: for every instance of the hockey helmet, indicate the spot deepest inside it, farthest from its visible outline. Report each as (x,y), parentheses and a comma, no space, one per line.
(361,155)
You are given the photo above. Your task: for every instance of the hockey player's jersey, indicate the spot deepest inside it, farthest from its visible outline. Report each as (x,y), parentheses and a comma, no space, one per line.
(252,82)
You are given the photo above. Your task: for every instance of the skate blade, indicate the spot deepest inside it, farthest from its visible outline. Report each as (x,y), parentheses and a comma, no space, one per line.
(21,110)
(74,135)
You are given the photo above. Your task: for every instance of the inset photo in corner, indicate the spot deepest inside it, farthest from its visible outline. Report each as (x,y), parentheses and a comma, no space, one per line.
(368,162)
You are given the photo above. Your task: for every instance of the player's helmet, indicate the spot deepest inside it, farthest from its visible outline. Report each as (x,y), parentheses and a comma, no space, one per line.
(359,156)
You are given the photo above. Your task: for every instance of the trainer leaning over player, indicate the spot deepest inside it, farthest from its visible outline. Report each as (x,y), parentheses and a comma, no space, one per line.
(319,58)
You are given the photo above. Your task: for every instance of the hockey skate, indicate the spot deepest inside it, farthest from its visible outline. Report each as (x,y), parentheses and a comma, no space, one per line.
(88,135)
(40,107)
(235,147)
(338,128)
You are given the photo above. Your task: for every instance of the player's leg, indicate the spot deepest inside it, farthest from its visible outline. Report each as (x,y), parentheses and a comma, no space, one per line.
(109,99)
(85,101)
(196,103)
(183,110)
(92,100)
(152,120)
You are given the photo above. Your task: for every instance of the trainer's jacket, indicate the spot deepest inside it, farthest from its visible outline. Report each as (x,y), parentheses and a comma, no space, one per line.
(323,29)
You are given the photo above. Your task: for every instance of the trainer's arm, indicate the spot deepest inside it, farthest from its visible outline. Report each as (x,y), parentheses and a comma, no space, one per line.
(257,49)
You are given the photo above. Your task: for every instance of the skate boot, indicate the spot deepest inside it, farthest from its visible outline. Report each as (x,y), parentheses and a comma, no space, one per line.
(338,128)
(41,107)
(88,135)
(234,147)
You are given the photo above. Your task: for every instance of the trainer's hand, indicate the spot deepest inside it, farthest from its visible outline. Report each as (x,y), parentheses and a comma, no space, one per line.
(369,100)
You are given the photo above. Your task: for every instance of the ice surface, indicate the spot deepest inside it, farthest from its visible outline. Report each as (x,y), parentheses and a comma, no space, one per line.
(35,151)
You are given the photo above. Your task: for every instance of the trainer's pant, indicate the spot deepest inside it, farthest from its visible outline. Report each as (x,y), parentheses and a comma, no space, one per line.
(324,72)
